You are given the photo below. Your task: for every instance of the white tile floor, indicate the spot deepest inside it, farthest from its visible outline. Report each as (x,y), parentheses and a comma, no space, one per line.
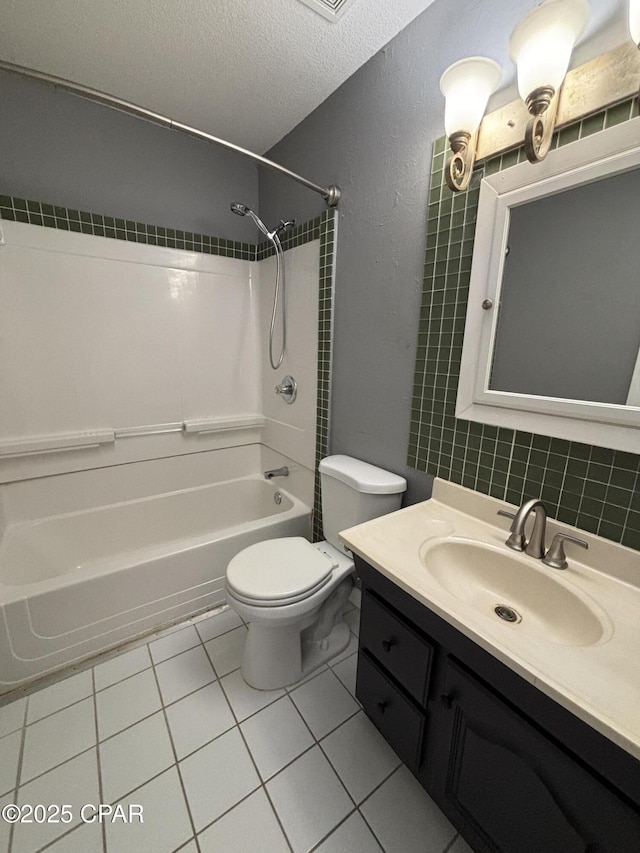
(217,767)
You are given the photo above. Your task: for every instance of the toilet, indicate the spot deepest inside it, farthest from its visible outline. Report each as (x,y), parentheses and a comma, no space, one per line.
(292,592)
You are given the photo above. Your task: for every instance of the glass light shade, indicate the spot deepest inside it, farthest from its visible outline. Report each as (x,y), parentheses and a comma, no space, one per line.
(542,43)
(634,20)
(467,85)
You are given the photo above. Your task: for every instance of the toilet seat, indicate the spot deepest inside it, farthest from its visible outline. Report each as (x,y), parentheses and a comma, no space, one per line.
(278,571)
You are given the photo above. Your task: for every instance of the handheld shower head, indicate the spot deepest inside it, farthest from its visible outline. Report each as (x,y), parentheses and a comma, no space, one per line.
(242,210)
(273,236)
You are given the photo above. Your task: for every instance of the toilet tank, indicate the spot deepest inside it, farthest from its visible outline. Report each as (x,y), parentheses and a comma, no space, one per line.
(353,492)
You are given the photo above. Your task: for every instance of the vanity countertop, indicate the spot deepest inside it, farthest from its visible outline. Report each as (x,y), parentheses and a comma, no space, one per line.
(599,682)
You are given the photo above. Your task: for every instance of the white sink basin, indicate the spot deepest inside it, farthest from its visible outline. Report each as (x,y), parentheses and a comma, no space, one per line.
(530,595)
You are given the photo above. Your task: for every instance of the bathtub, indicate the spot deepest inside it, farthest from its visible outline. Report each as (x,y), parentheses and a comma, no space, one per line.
(75,584)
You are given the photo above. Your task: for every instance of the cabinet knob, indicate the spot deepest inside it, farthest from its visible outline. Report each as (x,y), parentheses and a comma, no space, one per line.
(382,706)
(388,644)
(446,701)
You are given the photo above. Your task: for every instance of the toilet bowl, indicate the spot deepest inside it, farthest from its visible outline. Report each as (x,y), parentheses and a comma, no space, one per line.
(293,593)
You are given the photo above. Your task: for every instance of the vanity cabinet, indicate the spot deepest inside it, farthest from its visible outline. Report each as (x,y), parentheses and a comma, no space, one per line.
(514,771)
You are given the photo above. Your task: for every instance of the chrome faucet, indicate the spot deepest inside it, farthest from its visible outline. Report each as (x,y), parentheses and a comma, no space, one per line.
(517,539)
(277,472)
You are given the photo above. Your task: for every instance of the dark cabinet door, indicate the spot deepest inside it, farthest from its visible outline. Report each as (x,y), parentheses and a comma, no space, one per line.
(510,789)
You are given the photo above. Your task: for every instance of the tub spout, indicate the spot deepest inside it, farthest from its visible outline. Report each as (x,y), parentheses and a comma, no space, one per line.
(277,472)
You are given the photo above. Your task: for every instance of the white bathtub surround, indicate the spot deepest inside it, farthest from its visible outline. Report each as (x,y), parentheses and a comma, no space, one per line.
(288,427)
(91,559)
(304,769)
(103,333)
(116,352)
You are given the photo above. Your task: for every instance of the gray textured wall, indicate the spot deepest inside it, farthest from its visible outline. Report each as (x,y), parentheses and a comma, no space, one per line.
(373,137)
(60,149)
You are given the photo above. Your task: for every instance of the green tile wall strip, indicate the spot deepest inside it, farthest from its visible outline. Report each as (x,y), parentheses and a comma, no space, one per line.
(327,224)
(67,219)
(592,488)
(322,228)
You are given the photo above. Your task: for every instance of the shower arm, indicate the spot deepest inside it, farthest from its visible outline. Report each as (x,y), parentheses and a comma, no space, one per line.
(330,194)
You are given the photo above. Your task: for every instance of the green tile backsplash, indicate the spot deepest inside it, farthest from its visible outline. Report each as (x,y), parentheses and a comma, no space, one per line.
(322,228)
(594,488)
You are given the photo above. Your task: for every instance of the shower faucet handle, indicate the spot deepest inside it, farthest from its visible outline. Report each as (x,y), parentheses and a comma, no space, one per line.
(288,389)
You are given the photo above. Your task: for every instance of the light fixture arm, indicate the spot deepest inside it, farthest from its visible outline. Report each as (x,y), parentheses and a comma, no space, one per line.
(459,167)
(542,104)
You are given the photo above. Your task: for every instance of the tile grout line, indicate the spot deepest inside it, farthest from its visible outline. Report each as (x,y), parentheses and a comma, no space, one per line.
(103,830)
(263,784)
(57,766)
(368,797)
(99,763)
(318,743)
(449,846)
(333,829)
(23,737)
(175,756)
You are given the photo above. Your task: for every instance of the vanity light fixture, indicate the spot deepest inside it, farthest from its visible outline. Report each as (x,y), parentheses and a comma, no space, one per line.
(466,86)
(541,47)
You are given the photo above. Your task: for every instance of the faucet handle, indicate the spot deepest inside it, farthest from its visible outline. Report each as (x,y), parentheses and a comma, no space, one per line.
(556,557)
(287,389)
(506,514)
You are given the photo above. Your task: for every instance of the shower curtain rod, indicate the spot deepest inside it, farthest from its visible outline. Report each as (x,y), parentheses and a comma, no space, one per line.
(330,194)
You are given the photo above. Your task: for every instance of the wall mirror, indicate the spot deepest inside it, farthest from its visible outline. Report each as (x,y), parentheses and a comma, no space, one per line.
(552,335)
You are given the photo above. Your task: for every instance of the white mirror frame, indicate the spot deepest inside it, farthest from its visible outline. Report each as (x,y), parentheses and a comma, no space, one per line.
(606,153)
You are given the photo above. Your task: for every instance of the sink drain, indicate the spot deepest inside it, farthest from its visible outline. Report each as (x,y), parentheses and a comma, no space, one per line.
(507,613)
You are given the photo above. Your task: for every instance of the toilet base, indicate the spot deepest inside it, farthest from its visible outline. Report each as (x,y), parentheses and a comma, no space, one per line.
(316,653)
(280,653)
(279,657)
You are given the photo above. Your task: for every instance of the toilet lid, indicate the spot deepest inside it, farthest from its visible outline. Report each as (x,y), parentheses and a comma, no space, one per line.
(278,569)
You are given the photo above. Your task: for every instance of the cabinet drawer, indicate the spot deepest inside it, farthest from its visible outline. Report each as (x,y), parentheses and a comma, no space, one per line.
(401,723)
(396,645)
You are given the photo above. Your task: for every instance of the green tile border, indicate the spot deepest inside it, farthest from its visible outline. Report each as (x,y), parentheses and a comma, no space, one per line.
(98,225)
(328,227)
(321,228)
(596,489)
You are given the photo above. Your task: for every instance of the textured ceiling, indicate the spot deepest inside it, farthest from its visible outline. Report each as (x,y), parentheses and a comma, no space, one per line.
(245,70)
